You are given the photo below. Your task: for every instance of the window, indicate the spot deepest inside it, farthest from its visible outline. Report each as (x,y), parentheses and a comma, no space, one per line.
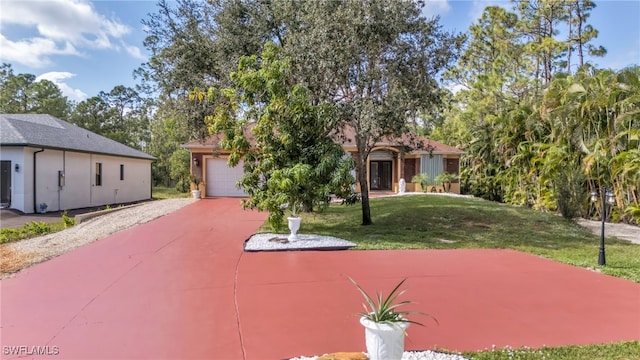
(432,165)
(121,171)
(98,174)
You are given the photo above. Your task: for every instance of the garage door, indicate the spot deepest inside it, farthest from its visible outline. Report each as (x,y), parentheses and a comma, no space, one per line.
(221,179)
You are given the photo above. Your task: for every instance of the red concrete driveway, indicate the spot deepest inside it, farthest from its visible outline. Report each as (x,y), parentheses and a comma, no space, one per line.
(180,287)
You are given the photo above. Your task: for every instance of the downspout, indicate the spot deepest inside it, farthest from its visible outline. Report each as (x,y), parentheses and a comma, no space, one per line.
(34,180)
(150,180)
(60,186)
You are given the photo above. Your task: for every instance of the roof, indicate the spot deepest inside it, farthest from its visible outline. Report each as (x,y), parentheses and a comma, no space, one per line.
(41,130)
(347,140)
(408,139)
(213,141)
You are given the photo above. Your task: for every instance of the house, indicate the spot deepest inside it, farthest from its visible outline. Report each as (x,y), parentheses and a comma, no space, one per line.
(389,162)
(50,163)
(386,165)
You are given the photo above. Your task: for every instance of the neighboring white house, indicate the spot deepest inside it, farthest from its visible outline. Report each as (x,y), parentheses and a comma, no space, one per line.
(45,160)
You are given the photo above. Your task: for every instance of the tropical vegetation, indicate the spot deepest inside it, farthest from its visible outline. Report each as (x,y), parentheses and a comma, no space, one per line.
(540,124)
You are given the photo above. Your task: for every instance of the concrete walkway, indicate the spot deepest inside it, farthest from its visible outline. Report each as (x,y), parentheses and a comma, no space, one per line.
(180,287)
(621,231)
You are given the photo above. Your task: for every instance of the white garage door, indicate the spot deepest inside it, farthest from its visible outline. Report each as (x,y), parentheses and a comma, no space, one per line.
(221,179)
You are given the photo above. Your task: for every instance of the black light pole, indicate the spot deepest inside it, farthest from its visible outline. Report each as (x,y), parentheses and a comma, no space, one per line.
(607,198)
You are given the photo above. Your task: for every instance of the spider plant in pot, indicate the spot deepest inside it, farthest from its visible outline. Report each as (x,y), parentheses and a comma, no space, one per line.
(385,324)
(293,221)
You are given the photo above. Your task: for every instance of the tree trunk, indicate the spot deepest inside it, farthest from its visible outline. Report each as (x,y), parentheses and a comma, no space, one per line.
(579,34)
(364,190)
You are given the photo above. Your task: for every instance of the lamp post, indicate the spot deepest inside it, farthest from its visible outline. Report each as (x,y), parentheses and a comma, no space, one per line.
(608,199)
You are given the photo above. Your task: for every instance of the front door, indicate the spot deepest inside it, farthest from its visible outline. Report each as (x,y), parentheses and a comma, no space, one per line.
(380,175)
(5,183)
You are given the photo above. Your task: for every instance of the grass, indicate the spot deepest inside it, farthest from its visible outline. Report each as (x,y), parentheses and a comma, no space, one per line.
(624,350)
(444,222)
(34,229)
(163,192)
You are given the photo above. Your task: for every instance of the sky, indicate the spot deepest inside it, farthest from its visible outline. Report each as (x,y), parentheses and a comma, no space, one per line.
(90,46)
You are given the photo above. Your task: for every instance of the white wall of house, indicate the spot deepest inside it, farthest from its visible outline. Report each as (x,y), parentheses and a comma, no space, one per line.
(135,185)
(76,192)
(79,188)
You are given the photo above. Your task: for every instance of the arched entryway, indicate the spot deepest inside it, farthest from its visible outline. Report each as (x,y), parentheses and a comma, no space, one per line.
(383,169)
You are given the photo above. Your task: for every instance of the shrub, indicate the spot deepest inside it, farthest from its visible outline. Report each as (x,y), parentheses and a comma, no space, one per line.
(67,221)
(423,179)
(34,229)
(446,179)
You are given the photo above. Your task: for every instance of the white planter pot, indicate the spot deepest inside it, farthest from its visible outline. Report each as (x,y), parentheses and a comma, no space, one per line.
(384,341)
(195,194)
(294,226)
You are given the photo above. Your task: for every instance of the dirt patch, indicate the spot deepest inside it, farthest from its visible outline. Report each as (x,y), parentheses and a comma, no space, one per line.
(13,261)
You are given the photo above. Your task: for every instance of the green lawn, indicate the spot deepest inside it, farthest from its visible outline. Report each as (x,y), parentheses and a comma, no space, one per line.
(619,351)
(163,192)
(444,222)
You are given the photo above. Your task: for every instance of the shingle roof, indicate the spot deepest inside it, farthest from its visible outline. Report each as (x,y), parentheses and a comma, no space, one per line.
(347,140)
(41,130)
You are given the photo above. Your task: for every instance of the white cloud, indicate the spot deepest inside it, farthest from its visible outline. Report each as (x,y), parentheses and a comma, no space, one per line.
(56,27)
(454,88)
(33,52)
(134,51)
(435,7)
(57,78)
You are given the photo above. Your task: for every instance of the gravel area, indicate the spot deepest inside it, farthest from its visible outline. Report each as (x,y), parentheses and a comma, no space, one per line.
(412,355)
(279,242)
(24,253)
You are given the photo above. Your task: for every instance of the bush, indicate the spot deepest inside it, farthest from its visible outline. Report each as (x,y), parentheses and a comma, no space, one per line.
(423,180)
(34,229)
(569,193)
(446,179)
(67,221)
(37,228)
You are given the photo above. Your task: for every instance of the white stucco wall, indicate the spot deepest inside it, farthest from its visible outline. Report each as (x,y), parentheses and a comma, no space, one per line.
(79,188)
(135,186)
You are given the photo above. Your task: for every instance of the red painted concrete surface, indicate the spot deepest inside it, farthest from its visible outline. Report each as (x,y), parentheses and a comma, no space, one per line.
(180,287)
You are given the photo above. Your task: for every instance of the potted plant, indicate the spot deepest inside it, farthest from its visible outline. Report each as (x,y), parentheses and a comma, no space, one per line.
(423,180)
(196,182)
(385,324)
(446,179)
(293,221)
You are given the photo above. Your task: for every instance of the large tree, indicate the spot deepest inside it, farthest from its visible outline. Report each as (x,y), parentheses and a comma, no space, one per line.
(120,114)
(377,61)
(22,94)
(282,139)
